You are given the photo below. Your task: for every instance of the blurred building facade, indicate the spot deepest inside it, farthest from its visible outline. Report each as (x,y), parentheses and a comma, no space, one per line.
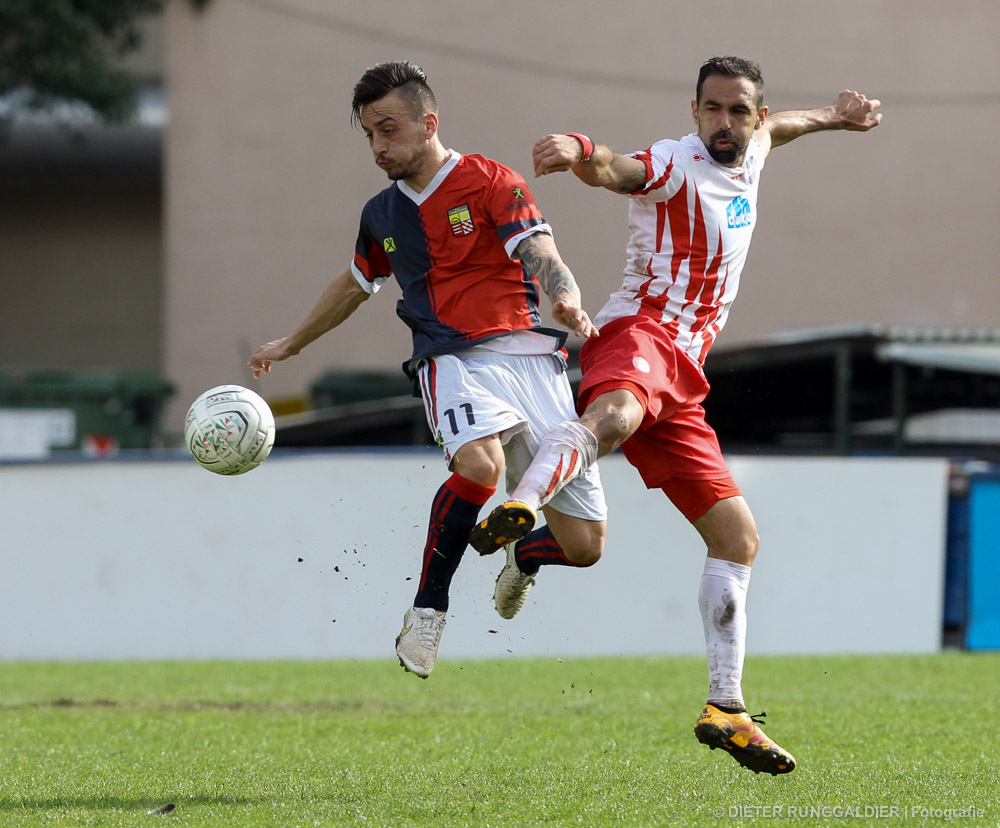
(180,244)
(176,245)
(81,232)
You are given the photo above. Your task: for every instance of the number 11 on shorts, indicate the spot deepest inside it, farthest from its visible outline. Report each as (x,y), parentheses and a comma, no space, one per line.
(450,414)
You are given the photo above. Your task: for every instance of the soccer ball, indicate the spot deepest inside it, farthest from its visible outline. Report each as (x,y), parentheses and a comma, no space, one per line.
(229,429)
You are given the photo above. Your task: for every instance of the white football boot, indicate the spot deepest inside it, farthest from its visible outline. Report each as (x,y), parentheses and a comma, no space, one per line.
(512,586)
(417,643)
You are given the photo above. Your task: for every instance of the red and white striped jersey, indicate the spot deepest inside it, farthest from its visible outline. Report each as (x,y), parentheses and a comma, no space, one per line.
(690,229)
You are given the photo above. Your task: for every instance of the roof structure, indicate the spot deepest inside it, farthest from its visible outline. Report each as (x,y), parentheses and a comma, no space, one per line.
(845,390)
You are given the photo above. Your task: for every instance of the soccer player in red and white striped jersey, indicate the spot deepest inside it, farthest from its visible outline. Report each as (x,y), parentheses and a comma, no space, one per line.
(692,210)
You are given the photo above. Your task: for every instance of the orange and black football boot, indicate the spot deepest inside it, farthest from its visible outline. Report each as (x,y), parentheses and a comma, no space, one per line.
(506,524)
(739,734)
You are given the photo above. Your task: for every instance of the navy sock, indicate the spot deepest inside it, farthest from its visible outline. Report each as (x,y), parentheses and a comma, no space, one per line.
(540,548)
(454,512)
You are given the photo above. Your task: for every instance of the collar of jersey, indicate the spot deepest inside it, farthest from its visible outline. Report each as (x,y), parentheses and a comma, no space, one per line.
(435,182)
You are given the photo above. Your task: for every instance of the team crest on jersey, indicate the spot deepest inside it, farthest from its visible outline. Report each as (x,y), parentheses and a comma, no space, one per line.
(460,220)
(738,212)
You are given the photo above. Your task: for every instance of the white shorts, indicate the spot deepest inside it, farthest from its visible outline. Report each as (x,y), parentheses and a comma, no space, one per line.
(520,398)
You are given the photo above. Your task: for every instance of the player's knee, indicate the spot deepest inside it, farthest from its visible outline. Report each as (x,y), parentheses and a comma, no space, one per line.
(480,462)
(585,549)
(743,548)
(581,541)
(613,420)
(584,556)
(483,470)
(612,430)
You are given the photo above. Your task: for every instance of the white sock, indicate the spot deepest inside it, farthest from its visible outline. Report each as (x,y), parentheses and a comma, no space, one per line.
(722,598)
(565,451)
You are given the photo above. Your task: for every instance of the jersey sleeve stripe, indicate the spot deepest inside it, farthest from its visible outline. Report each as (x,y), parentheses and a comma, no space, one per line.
(653,181)
(510,245)
(367,285)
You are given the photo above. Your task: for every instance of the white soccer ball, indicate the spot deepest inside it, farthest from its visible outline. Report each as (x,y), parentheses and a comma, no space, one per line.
(229,429)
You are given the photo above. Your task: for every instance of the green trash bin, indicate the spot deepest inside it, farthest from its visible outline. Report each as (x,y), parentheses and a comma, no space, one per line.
(91,411)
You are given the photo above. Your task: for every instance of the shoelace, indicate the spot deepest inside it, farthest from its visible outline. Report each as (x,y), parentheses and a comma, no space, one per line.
(515,597)
(428,630)
(524,578)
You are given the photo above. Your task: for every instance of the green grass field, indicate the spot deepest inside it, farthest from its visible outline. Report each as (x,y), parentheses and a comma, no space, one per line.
(895,740)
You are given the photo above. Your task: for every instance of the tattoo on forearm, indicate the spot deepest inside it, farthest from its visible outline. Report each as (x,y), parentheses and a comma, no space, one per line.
(555,278)
(632,182)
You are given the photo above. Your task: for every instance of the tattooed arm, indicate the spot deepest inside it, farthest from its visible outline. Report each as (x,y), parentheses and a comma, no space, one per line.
(538,253)
(605,168)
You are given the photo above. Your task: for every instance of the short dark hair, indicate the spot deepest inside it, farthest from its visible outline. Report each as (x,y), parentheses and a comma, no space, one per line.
(382,78)
(733,67)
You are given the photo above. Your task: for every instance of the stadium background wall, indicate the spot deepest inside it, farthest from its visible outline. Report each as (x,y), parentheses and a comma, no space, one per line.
(314,556)
(265,177)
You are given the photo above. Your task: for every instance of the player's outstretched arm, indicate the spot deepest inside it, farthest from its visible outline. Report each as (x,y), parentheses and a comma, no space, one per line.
(342,297)
(605,167)
(539,254)
(851,111)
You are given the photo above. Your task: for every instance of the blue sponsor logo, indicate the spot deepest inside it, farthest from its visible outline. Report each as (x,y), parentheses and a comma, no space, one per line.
(738,212)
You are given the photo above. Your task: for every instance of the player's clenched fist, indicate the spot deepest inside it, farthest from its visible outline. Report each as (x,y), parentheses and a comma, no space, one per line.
(856,112)
(556,153)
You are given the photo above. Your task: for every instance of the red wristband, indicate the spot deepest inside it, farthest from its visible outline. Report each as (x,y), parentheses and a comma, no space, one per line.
(588,145)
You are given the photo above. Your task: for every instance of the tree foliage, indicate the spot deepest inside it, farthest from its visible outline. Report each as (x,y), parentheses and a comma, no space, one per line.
(54,51)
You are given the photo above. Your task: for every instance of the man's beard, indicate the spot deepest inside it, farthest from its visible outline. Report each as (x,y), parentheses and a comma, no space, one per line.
(398,174)
(406,169)
(725,156)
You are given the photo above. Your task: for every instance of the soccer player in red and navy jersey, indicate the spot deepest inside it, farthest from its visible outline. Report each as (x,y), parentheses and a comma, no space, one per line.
(467,244)
(692,210)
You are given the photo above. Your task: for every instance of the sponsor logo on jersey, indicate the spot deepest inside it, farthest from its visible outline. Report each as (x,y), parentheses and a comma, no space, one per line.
(518,193)
(460,220)
(519,205)
(738,212)
(389,244)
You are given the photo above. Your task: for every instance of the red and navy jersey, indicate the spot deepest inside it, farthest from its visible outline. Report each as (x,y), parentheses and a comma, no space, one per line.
(450,249)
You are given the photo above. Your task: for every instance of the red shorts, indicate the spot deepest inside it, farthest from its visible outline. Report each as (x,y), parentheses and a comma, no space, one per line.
(695,497)
(673,441)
